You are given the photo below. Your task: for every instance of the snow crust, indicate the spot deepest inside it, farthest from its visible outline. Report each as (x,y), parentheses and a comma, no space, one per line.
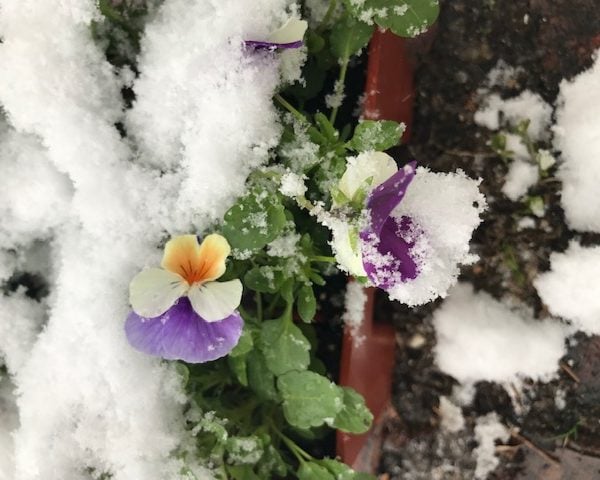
(355,301)
(577,137)
(520,177)
(571,288)
(204,117)
(480,338)
(446,207)
(527,105)
(487,430)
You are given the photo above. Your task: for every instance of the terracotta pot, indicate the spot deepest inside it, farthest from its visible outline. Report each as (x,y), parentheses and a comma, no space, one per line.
(368,357)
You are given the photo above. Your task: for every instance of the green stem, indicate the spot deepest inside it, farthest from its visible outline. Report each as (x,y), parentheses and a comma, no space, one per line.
(285,104)
(323,25)
(271,307)
(298,452)
(339,85)
(322,258)
(259,307)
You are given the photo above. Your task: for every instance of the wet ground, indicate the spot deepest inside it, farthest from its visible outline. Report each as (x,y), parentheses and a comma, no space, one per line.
(550,40)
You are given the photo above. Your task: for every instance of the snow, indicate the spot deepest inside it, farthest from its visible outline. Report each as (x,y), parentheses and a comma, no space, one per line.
(487,430)
(527,105)
(452,419)
(446,207)
(9,420)
(571,288)
(577,137)
(86,399)
(479,338)
(292,185)
(520,177)
(354,314)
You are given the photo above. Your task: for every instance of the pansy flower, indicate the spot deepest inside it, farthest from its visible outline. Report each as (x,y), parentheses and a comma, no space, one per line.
(179,310)
(380,250)
(290,35)
(386,240)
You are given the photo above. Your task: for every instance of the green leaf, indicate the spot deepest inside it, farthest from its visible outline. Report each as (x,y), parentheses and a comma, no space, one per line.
(256,219)
(260,378)
(241,472)
(244,450)
(183,371)
(341,471)
(407,18)
(287,291)
(238,367)
(376,135)
(307,303)
(348,36)
(271,462)
(264,279)
(354,417)
(313,471)
(245,344)
(284,346)
(309,399)
(326,127)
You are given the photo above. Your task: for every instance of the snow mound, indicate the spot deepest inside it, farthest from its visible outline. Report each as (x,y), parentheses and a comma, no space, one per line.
(479,338)
(526,106)
(577,136)
(571,289)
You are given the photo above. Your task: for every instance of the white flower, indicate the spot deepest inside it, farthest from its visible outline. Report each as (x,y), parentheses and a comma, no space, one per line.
(366,171)
(346,247)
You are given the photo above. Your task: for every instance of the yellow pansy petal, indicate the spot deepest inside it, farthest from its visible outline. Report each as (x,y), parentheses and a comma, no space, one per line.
(213,252)
(182,256)
(154,290)
(196,263)
(214,301)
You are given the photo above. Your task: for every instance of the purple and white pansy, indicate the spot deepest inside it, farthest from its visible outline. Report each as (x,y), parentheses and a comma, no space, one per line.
(415,226)
(290,35)
(180,311)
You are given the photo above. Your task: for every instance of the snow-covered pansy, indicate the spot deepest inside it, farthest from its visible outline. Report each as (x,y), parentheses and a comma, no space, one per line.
(290,35)
(179,310)
(387,240)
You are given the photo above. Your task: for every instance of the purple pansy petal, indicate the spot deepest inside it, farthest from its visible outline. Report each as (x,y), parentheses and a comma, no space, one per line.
(264,45)
(387,257)
(385,197)
(181,334)
(386,243)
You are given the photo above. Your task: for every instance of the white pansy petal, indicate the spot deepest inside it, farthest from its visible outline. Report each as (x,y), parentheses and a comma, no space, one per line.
(154,290)
(214,301)
(377,166)
(292,31)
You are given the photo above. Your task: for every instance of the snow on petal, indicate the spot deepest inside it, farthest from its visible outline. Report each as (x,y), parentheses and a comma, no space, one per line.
(214,301)
(154,290)
(445,208)
(181,334)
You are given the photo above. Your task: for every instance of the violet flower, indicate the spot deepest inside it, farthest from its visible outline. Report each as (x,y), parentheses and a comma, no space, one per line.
(179,311)
(386,241)
(290,35)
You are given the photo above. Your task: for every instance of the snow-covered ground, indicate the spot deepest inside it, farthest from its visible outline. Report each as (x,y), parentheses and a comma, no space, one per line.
(87,209)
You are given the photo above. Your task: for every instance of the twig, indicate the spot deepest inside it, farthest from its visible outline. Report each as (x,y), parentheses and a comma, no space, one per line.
(569,371)
(529,444)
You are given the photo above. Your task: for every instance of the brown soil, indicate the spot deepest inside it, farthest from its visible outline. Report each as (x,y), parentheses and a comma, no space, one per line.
(550,40)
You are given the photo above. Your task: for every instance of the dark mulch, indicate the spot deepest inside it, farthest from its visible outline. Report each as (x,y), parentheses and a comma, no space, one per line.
(550,40)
